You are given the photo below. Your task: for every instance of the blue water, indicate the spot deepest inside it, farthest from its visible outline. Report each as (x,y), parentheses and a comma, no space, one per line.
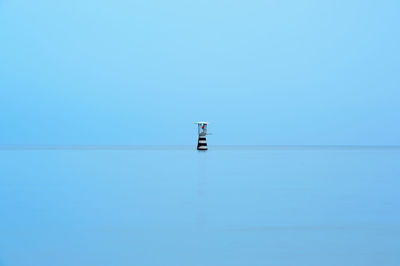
(181,207)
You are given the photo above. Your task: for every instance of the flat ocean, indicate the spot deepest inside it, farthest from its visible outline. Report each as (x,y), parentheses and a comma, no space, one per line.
(176,206)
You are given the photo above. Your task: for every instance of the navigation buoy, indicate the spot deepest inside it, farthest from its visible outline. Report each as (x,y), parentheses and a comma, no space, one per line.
(202,130)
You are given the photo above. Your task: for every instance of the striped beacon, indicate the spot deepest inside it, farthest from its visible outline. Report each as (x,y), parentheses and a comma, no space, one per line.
(202,130)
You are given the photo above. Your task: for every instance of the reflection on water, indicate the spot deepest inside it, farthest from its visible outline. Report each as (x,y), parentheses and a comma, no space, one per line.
(202,175)
(177,206)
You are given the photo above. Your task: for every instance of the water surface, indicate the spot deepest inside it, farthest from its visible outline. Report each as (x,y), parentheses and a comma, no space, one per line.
(180,207)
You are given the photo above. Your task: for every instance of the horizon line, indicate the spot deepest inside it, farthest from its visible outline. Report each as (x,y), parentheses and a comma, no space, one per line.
(180,147)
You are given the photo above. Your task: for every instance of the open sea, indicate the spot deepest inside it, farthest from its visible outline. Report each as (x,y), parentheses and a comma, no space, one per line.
(176,206)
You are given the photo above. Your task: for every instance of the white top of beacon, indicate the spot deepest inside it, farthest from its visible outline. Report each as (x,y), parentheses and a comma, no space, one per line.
(201,123)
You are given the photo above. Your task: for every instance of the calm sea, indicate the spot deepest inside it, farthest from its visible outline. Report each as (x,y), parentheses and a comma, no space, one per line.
(175,206)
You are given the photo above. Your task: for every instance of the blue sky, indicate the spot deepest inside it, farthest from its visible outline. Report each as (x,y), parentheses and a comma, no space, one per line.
(141,72)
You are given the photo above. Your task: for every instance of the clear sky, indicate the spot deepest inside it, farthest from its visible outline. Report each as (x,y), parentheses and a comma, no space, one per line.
(141,72)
